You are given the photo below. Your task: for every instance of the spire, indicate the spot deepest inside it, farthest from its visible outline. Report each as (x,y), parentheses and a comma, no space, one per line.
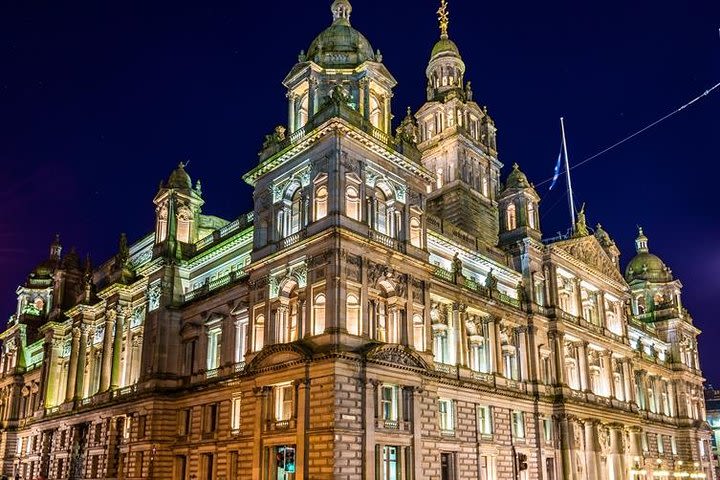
(55,248)
(641,242)
(444,19)
(341,10)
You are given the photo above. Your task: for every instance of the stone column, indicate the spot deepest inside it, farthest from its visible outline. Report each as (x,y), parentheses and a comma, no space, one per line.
(592,450)
(567,446)
(559,348)
(369,428)
(459,323)
(291,112)
(107,354)
(70,388)
(303,388)
(583,366)
(82,357)
(417,433)
(635,439)
(498,348)
(261,409)
(628,381)
(617,450)
(600,299)
(551,286)
(50,386)
(522,354)
(578,297)
(492,346)
(609,373)
(117,347)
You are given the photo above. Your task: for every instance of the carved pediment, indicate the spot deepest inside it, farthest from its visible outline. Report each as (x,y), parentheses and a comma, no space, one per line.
(280,354)
(397,355)
(588,251)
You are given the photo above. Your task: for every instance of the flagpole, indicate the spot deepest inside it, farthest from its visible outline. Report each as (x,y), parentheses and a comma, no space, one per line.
(567,174)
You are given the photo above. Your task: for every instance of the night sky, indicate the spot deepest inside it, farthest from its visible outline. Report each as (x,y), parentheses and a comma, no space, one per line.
(98,103)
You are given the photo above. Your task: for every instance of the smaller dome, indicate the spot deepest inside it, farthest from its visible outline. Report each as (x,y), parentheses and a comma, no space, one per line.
(445,47)
(179,178)
(517,179)
(645,265)
(340,45)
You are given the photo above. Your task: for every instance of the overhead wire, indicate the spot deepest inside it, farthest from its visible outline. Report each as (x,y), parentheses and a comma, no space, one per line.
(635,134)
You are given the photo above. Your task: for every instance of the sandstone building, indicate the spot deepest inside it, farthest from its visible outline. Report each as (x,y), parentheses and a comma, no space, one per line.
(388,311)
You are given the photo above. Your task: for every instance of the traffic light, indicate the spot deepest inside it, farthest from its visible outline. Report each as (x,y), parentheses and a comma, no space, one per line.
(521,462)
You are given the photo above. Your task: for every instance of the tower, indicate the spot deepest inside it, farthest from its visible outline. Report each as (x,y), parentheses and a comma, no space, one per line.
(518,203)
(458,144)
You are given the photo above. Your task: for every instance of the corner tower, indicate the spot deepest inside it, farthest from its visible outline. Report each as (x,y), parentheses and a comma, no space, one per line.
(457,141)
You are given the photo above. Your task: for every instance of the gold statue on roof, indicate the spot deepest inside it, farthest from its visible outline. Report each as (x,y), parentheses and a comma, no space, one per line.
(443,18)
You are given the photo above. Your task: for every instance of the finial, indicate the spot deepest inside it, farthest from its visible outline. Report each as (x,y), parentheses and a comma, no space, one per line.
(409,111)
(516,166)
(341,10)
(444,18)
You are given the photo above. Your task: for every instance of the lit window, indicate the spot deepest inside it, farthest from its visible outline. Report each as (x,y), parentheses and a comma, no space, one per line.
(214,348)
(259,332)
(415,232)
(390,463)
(283,398)
(660,444)
(518,424)
(531,214)
(235,412)
(389,402)
(381,212)
(645,443)
(510,217)
(673,445)
(321,201)
(487,467)
(419,332)
(295,212)
(548,429)
(484,420)
(353,314)
(352,202)
(319,314)
(447,415)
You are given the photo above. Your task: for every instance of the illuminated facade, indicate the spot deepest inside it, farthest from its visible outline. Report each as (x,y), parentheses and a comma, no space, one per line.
(389,310)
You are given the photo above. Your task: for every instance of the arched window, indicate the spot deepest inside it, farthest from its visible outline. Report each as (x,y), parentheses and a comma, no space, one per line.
(294,224)
(321,201)
(184,217)
(161,232)
(352,316)
(259,339)
(439,177)
(381,213)
(531,214)
(376,113)
(319,314)
(352,202)
(301,111)
(511,218)
(415,232)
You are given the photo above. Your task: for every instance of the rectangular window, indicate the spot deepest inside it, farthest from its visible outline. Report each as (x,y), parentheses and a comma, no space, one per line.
(389,402)
(673,445)
(447,466)
(214,348)
(233,465)
(660,446)
(518,421)
(485,423)
(645,443)
(235,412)
(180,467)
(210,418)
(548,429)
(283,397)
(390,463)
(141,425)
(447,415)
(183,422)
(208,466)
(139,459)
(487,467)
(550,468)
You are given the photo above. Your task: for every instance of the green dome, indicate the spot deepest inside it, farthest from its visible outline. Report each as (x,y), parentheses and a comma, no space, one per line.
(645,265)
(340,45)
(179,178)
(517,179)
(445,47)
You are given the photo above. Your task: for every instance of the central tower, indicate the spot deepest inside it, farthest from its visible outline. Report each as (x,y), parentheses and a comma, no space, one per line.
(457,141)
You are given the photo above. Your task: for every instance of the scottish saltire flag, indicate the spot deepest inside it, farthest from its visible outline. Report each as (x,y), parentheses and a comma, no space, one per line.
(557,169)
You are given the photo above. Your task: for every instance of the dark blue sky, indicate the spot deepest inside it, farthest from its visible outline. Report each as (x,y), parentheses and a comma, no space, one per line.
(100,102)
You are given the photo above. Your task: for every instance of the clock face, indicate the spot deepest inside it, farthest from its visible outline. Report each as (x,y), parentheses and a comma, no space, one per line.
(39,303)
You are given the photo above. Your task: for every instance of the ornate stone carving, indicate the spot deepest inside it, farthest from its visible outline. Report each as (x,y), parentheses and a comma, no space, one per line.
(588,251)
